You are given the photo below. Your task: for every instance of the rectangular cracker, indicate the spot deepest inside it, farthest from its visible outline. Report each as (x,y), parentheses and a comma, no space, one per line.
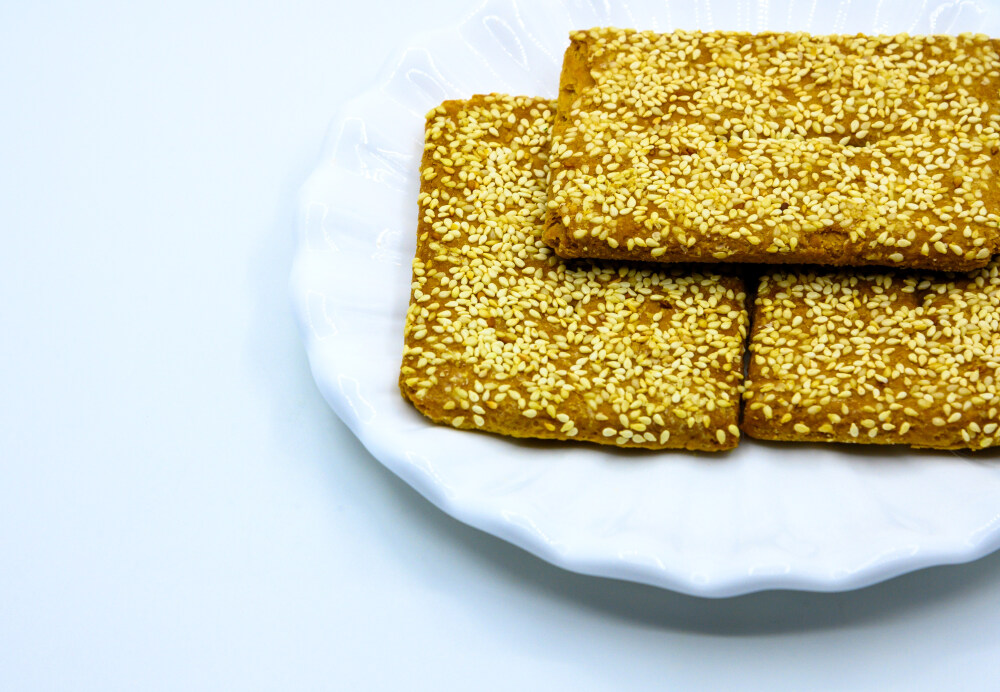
(501,335)
(777,148)
(876,358)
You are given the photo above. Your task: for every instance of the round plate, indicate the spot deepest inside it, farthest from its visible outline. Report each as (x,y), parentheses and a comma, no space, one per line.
(766,516)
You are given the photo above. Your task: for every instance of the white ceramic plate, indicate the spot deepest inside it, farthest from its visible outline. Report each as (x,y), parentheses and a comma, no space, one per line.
(766,516)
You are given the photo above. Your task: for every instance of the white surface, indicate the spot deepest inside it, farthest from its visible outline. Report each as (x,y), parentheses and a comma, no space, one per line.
(761,517)
(178,507)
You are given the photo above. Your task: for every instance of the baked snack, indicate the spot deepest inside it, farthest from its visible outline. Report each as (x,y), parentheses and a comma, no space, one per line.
(777,148)
(886,358)
(501,335)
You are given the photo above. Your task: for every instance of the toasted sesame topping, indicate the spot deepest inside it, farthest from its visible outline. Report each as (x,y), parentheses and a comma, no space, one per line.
(883,357)
(777,147)
(515,340)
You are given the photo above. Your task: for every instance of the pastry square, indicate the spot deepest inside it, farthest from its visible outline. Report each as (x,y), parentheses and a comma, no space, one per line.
(502,335)
(777,148)
(886,358)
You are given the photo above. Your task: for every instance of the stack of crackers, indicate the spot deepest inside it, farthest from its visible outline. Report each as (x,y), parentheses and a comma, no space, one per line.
(604,267)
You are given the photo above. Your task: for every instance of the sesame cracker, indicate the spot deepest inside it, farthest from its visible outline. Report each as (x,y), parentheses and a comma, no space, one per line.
(502,335)
(777,148)
(887,358)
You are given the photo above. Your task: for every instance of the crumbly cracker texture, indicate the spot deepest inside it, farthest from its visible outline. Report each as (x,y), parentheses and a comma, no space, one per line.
(777,148)
(876,358)
(502,335)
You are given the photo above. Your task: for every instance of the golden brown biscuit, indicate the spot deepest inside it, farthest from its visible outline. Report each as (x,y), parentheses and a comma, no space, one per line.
(777,148)
(502,335)
(876,358)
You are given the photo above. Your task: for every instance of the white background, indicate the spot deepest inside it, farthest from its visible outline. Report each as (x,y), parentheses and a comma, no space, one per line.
(178,507)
